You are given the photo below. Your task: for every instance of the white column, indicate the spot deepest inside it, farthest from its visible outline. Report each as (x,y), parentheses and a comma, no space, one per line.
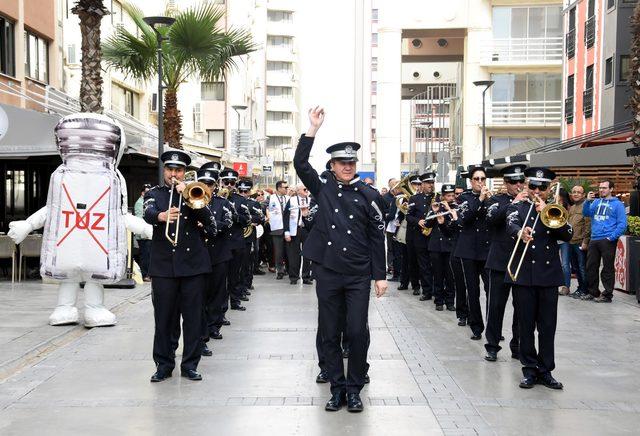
(388,104)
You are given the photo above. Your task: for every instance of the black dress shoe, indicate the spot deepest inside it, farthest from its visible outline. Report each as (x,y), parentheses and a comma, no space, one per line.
(451,308)
(416,292)
(367,380)
(502,338)
(279,276)
(237,307)
(403,287)
(215,334)
(336,402)
(293,281)
(345,353)
(307,282)
(191,374)
(462,322)
(322,377)
(491,356)
(425,297)
(354,403)
(206,351)
(515,356)
(528,382)
(159,376)
(243,298)
(476,337)
(258,272)
(225,321)
(550,382)
(248,292)
(439,307)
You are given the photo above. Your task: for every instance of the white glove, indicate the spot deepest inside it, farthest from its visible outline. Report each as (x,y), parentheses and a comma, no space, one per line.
(18,230)
(138,226)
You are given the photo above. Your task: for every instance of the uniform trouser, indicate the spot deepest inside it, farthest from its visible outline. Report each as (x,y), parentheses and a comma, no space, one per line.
(172,297)
(462,309)
(234,284)
(390,254)
(414,269)
(266,251)
(404,269)
(473,270)
(278,252)
(605,250)
(443,287)
(537,309)
(397,258)
(425,271)
(145,255)
(255,256)
(246,271)
(215,297)
(345,341)
(294,254)
(334,290)
(497,301)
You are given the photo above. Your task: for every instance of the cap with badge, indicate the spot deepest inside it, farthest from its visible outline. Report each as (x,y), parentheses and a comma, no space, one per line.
(175,159)
(448,188)
(147,186)
(514,172)
(245,185)
(228,174)
(539,176)
(428,177)
(472,169)
(212,166)
(415,180)
(207,175)
(344,151)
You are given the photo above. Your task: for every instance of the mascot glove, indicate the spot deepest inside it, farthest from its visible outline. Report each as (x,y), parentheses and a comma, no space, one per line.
(18,230)
(138,226)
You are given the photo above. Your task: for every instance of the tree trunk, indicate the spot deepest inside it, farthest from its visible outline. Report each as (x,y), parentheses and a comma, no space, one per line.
(172,120)
(634,105)
(90,13)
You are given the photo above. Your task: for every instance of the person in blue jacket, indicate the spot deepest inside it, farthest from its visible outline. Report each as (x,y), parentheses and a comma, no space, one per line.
(608,223)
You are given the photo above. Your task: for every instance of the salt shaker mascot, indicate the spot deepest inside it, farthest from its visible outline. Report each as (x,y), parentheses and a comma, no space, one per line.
(85,219)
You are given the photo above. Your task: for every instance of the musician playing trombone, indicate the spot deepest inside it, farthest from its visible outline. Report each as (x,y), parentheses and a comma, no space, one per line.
(536,282)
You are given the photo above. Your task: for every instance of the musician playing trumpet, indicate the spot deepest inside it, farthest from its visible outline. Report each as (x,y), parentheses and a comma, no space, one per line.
(535,287)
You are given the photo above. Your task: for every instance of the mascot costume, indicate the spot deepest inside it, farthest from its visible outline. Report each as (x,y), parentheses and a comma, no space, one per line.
(85,219)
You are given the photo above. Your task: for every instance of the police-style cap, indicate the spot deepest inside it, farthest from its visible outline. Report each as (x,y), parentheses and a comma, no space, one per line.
(429,176)
(146,186)
(345,151)
(212,166)
(539,175)
(514,172)
(448,188)
(415,180)
(207,175)
(245,185)
(175,159)
(228,173)
(473,168)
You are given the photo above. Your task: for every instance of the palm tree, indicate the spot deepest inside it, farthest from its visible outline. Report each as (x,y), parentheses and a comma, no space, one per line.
(195,46)
(90,13)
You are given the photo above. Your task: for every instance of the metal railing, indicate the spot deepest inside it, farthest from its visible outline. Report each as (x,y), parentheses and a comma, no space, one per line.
(525,112)
(524,50)
(590,32)
(570,43)
(587,103)
(568,109)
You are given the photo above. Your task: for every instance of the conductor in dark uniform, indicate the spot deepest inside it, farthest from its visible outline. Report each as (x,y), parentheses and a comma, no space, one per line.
(499,251)
(417,242)
(179,273)
(346,246)
(473,245)
(536,286)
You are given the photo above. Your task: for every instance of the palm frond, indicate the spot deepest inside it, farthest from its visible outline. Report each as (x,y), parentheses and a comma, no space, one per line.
(133,56)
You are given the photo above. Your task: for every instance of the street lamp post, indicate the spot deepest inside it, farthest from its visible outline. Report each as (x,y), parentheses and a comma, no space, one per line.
(487,84)
(153,22)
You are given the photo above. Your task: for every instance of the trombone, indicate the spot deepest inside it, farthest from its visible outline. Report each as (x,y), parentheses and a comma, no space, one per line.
(553,216)
(196,195)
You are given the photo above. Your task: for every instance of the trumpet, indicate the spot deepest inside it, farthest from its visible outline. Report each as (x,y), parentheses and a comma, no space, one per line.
(553,216)
(196,195)
(426,231)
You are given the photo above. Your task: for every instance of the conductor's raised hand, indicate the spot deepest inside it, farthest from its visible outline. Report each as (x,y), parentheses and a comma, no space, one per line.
(316,118)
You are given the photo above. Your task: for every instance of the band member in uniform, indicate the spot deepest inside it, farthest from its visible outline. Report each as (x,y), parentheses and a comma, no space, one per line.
(409,269)
(257,218)
(179,272)
(417,241)
(536,286)
(462,310)
(473,244)
(295,235)
(346,245)
(440,245)
(497,259)
(228,179)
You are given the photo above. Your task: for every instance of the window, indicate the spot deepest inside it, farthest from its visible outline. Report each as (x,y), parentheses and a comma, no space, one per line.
(374,111)
(14,186)
(527,22)
(280,16)
(124,100)
(608,71)
(374,64)
(280,91)
(212,91)
(281,117)
(280,41)
(588,83)
(71,54)
(625,67)
(526,87)
(568,102)
(278,141)
(570,38)
(587,95)
(373,135)
(611,4)
(502,143)
(374,15)
(7,47)
(570,85)
(374,87)
(279,67)
(36,59)
(215,138)
(590,25)
(374,39)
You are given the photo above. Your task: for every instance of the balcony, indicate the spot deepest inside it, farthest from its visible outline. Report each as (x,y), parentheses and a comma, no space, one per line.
(279,128)
(281,104)
(525,113)
(590,32)
(587,103)
(284,28)
(277,78)
(570,43)
(281,53)
(529,51)
(568,109)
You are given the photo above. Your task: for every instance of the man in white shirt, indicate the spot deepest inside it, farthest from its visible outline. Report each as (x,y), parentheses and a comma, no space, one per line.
(295,235)
(277,203)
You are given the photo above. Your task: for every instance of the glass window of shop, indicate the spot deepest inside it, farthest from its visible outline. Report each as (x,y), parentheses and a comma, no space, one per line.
(527,22)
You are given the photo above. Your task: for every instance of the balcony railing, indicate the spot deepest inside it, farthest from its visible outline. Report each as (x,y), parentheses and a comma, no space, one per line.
(524,50)
(587,103)
(570,42)
(590,32)
(568,109)
(505,113)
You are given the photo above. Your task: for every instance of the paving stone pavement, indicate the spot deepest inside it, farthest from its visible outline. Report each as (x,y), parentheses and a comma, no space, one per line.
(427,377)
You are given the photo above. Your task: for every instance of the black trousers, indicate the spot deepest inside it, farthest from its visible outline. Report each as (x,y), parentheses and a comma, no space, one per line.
(335,290)
(255,256)
(462,308)
(216,296)
(473,270)
(278,252)
(444,289)
(234,282)
(414,268)
(605,250)
(425,271)
(266,248)
(537,309)
(145,255)
(397,258)
(246,271)
(390,253)
(497,302)
(404,269)
(172,297)
(295,258)
(345,341)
